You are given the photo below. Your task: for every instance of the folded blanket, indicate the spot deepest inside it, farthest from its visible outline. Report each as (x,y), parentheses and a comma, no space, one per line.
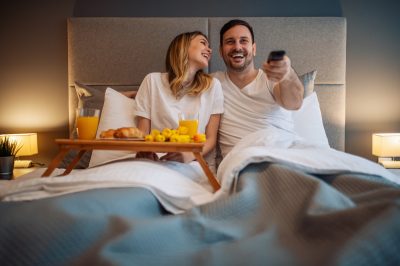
(177,186)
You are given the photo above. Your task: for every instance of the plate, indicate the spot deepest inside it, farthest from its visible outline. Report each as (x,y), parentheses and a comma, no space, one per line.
(131,139)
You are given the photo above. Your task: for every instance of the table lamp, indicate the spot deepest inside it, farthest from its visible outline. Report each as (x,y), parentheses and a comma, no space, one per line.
(28,144)
(387,147)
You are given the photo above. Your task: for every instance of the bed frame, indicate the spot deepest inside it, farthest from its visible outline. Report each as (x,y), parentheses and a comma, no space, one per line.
(119,52)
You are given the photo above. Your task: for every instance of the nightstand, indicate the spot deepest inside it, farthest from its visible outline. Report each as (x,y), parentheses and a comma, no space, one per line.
(18,172)
(22,171)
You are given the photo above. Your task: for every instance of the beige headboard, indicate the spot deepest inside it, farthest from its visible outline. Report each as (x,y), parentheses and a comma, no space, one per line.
(121,51)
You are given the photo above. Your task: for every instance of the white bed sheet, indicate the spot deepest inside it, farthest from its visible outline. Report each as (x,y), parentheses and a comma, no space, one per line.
(280,146)
(180,187)
(177,186)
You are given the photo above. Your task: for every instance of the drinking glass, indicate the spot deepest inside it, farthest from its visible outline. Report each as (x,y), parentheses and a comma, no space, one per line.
(190,121)
(87,120)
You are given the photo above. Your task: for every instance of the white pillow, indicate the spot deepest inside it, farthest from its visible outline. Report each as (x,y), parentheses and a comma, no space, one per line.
(308,121)
(118,111)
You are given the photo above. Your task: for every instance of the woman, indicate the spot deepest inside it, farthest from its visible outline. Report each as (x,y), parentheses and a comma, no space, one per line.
(162,96)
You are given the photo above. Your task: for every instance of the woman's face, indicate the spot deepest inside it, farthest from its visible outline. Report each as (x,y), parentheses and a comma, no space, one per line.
(199,52)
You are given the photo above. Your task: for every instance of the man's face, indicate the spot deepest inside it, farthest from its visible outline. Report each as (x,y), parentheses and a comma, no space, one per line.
(237,49)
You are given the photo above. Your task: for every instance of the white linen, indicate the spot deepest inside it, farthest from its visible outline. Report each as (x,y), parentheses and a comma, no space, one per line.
(118,111)
(308,122)
(180,187)
(177,186)
(277,145)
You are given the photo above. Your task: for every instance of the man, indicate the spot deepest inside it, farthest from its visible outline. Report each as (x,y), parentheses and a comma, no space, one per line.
(253,98)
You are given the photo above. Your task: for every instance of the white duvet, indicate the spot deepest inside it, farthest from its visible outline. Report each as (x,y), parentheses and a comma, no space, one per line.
(277,145)
(180,187)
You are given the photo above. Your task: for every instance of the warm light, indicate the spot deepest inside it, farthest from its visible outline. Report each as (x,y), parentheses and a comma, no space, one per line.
(386,144)
(27,142)
(387,147)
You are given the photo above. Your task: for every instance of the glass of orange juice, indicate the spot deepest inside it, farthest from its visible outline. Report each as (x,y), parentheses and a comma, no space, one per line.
(87,120)
(189,120)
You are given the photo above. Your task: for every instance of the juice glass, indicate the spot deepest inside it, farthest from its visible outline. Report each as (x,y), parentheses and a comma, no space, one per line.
(87,120)
(189,120)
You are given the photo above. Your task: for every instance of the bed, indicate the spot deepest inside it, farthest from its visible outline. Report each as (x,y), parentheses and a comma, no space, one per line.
(286,199)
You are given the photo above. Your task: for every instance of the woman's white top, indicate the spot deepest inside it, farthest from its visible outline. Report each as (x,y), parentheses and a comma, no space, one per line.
(156,102)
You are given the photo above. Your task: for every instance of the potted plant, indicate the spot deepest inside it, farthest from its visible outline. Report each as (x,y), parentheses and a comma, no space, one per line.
(8,150)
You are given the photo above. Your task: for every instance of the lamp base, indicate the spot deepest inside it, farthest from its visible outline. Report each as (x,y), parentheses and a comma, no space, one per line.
(22,163)
(392,163)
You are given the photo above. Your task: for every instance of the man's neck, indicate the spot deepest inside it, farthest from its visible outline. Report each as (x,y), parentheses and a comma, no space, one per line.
(243,78)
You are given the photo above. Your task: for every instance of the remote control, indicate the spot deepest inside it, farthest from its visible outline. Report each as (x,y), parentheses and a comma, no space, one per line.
(276,55)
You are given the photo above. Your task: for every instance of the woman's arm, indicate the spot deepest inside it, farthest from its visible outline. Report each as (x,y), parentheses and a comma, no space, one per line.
(211,133)
(144,124)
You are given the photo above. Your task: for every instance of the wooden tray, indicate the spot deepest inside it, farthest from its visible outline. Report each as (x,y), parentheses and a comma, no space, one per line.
(133,145)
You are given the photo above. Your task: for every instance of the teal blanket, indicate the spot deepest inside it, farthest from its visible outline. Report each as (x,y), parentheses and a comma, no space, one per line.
(278,216)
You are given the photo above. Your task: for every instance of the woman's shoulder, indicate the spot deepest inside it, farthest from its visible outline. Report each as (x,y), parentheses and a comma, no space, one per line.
(155,75)
(156,79)
(215,83)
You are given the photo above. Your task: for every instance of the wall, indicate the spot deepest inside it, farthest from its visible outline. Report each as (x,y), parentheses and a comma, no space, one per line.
(33,56)
(373,64)
(33,71)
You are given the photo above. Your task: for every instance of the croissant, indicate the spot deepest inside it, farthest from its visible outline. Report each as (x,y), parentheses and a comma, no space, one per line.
(128,132)
(107,134)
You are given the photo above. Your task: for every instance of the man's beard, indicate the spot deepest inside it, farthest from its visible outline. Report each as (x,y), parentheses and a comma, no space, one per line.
(235,67)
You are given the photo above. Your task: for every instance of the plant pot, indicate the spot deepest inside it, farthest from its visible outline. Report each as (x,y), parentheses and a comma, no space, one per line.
(6,165)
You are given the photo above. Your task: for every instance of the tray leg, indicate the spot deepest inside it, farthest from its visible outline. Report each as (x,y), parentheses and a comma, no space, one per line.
(74,162)
(211,178)
(55,162)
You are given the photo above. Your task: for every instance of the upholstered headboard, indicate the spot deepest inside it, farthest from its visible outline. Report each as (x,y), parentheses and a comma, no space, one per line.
(119,52)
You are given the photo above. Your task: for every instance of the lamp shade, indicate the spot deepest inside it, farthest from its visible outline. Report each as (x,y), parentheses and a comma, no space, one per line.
(386,144)
(27,142)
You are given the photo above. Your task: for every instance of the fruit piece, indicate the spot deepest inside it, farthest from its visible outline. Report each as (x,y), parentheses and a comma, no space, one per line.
(184,139)
(166,132)
(174,131)
(199,138)
(182,130)
(155,132)
(160,138)
(174,138)
(149,138)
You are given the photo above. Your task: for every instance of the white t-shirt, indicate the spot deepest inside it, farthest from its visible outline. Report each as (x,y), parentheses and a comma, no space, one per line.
(248,109)
(156,102)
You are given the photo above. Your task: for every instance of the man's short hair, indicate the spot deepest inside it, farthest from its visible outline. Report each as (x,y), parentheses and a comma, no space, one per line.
(232,23)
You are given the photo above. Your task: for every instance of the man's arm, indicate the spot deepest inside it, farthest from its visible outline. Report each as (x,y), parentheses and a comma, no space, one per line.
(288,90)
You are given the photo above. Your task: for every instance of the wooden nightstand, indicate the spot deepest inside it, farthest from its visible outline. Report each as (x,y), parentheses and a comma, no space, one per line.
(18,172)
(22,171)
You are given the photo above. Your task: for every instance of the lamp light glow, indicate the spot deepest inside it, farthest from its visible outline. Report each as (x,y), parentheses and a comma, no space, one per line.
(387,147)
(28,144)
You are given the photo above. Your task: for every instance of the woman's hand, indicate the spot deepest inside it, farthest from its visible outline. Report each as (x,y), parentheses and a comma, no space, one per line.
(183,157)
(147,155)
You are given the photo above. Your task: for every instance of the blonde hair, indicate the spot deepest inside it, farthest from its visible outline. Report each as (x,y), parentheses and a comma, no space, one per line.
(177,66)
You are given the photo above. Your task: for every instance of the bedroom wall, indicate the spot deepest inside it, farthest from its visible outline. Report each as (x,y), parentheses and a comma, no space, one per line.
(33,56)
(373,68)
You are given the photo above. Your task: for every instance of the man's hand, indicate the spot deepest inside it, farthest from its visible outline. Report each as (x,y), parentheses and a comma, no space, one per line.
(277,70)
(286,87)
(183,157)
